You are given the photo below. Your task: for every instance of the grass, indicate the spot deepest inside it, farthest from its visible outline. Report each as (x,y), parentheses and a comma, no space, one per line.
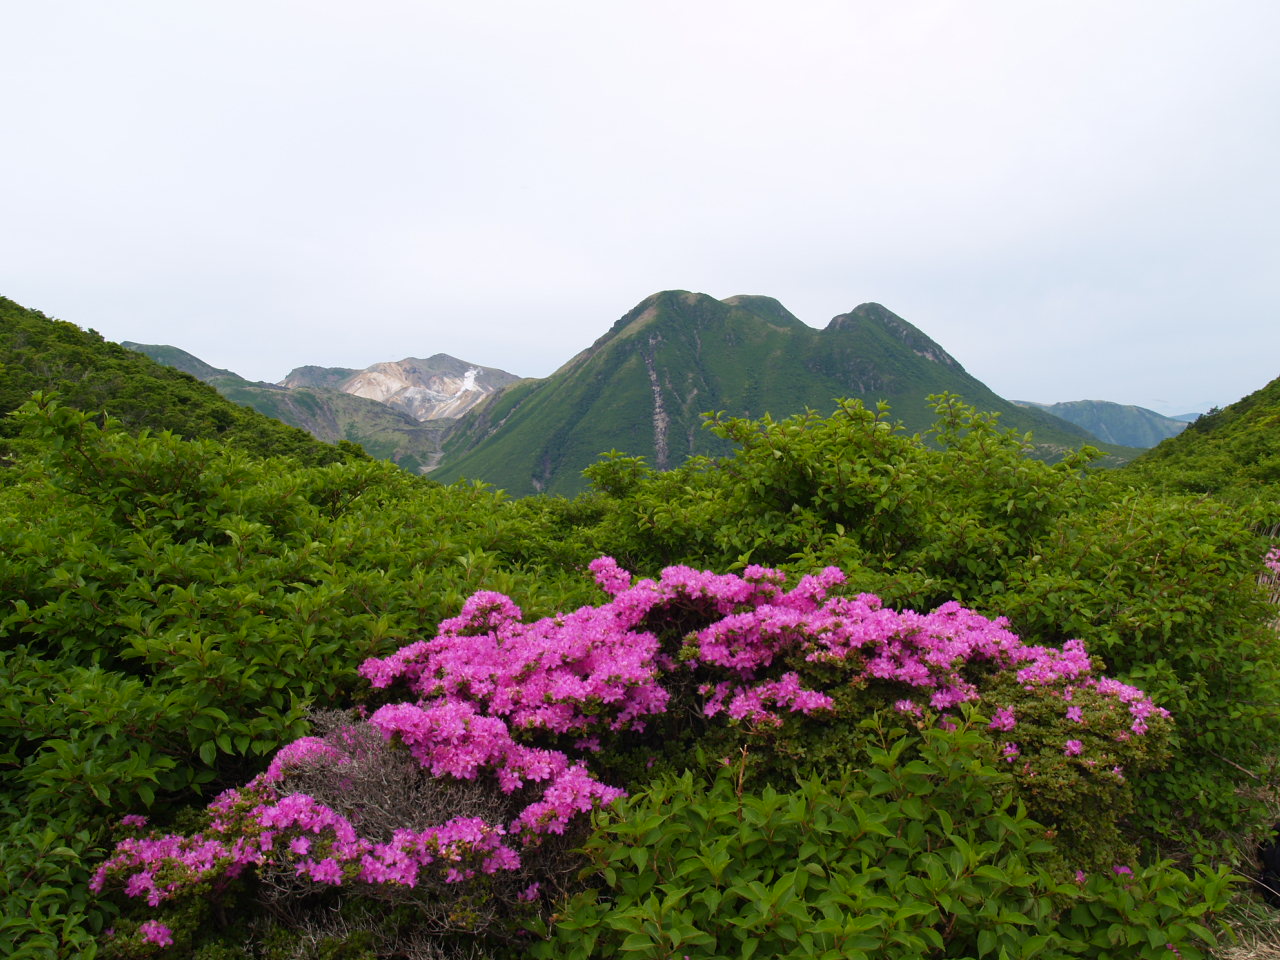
(1255,923)
(1256,929)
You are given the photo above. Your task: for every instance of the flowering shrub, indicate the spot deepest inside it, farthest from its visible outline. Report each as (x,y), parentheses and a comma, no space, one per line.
(1272,559)
(513,714)
(1163,587)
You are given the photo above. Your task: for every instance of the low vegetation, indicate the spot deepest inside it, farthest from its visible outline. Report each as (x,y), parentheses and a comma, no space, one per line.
(842,692)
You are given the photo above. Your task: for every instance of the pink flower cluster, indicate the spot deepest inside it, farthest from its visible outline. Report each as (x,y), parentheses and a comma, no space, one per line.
(155,932)
(548,675)
(1272,559)
(491,691)
(255,826)
(450,738)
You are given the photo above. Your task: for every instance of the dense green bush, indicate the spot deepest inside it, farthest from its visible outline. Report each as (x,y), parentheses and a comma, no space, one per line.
(919,852)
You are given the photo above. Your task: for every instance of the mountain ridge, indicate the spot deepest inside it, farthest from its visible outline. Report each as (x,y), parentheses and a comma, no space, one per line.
(90,373)
(329,415)
(1235,448)
(434,388)
(1123,424)
(643,386)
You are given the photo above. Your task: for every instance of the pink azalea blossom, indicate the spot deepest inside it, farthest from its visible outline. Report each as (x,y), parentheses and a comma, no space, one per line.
(155,932)
(1003,719)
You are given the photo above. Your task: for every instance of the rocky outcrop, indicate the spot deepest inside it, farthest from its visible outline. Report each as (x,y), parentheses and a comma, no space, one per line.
(437,388)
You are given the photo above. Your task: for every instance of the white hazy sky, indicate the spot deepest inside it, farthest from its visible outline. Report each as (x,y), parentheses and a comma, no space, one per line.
(1076,199)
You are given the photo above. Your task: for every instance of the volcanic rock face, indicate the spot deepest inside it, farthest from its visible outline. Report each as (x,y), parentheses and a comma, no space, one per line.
(440,387)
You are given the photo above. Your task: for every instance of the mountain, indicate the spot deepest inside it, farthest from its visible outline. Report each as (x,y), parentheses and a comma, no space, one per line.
(440,387)
(40,353)
(643,386)
(327,414)
(1128,426)
(1235,447)
(178,360)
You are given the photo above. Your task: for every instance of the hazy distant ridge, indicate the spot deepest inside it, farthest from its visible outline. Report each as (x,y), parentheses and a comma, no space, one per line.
(1122,424)
(327,414)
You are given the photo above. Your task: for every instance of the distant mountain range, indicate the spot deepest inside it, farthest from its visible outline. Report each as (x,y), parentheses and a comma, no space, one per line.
(396,411)
(1117,423)
(641,388)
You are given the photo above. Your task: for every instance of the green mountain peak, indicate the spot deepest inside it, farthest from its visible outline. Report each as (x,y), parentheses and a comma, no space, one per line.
(644,386)
(872,320)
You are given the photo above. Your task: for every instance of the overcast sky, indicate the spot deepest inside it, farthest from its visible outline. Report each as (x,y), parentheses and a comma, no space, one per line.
(1078,200)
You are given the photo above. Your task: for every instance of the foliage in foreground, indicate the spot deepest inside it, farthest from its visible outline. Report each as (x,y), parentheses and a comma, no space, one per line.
(172,610)
(154,586)
(522,722)
(921,851)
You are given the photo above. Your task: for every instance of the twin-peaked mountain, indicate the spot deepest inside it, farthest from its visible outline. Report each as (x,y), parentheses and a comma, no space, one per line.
(642,388)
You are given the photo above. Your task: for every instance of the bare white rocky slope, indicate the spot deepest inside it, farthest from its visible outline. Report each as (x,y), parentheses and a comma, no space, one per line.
(439,387)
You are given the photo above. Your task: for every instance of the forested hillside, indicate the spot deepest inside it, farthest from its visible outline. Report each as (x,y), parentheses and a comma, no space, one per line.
(325,412)
(1237,448)
(39,353)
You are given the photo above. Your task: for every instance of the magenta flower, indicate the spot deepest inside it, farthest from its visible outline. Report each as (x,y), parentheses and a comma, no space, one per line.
(1003,719)
(155,932)
(1073,748)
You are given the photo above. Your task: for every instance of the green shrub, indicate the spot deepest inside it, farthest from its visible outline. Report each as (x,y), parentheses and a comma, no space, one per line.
(922,857)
